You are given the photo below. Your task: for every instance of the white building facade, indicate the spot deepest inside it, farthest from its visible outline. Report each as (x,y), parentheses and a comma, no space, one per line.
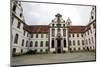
(59,36)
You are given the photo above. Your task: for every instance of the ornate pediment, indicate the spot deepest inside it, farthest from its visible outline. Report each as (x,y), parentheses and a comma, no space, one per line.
(58,36)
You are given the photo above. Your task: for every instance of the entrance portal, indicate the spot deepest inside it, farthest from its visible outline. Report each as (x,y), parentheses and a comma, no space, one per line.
(58,43)
(58,50)
(58,46)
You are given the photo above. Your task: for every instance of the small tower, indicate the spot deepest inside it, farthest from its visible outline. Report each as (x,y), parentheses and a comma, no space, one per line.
(93,14)
(68,22)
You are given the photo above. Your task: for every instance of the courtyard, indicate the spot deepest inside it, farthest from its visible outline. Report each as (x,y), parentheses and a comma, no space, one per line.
(53,58)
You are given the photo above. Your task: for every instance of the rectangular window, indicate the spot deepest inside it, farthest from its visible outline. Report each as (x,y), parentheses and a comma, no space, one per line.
(18,25)
(41,44)
(69,35)
(86,42)
(53,32)
(78,42)
(82,34)
(94,26)
(47,43)
(69,42)
(58,25)
(88,32)
(31,35)
(59,30)
(41,35)
(73,42)
(12,19)
(36,35)
(64,32)
(16,39)
(27,34)
(92,40)
(46,35)
(24,33)
(20,14)
(89,41)
(73,35)
(77,35)
(82,42)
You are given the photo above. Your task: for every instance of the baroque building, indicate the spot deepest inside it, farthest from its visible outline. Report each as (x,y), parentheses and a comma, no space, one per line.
(60,36)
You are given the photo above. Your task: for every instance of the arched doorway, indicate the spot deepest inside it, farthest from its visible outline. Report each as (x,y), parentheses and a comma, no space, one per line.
(59,46)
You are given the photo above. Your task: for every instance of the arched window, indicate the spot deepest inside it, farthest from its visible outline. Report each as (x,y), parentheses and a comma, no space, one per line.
(52,43)
(31,43)
(23,42)
(16,39)
(36,43)
(14,7)
(64,42)
(26,43)
(41,44)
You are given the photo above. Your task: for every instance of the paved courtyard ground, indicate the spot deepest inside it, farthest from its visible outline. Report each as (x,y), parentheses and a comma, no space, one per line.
(53,58)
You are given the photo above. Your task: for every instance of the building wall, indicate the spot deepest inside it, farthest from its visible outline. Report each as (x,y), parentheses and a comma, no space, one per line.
(39,39)
(76,46)
(88,37)
(15,30)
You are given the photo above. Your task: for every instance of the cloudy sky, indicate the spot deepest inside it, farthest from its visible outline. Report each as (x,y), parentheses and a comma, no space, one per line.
(43,13)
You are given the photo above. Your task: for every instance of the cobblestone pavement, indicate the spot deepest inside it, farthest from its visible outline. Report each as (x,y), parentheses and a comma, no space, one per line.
(53,58)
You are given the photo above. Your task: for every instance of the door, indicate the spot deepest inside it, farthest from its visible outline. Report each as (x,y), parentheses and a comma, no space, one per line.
(58,46)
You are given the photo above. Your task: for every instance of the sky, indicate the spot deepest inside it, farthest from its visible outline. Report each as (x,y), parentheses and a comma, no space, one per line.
(43,13)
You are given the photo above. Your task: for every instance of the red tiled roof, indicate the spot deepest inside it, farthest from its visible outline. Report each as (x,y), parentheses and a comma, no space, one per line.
(77,29)
(37,28)
(45,28)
